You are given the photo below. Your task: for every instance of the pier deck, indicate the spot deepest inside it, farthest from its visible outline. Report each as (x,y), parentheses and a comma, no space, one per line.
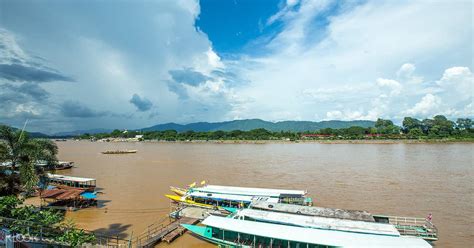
(163,232)
(195,212)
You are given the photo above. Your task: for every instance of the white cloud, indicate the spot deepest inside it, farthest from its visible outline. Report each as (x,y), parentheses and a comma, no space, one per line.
(407,74)
(394,86)
(459,79)
(429,105)
(347,69)
(361,44)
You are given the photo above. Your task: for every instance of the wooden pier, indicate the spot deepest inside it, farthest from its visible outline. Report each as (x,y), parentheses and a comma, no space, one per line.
(163,231)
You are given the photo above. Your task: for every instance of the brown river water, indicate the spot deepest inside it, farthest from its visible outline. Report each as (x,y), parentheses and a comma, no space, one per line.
(393,179)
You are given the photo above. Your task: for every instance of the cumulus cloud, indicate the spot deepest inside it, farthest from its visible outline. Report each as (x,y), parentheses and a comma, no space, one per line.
(141,103)
(394,86)
(327,59)
(17,72)
(17,65)
(188,76)
(407,73)
(428,105)
(384,45)
(79,110)
(22,93)
(460,79)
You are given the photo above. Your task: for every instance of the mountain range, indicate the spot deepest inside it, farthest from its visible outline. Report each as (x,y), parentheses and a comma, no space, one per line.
(249,124)
(244,125)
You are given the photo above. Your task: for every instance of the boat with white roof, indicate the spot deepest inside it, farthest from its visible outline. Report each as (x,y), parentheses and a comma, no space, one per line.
(406,226)
(238,232)
(236,197)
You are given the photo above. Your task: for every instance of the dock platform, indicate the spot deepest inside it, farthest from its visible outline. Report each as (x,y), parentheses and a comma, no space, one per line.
(163,232)
(196,212)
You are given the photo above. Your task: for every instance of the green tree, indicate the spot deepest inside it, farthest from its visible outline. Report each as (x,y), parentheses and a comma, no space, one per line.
(410,123)
(48,222)
(464,123)
(23,153)
(415,132)
(386,127)
(116,133)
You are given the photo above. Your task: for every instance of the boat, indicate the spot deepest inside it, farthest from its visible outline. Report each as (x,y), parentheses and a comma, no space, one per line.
(178,191)
(70,181)
(220,201)
(60,165)
(406,226)
(238,232)
(63,165)
(119,151)
(212,196)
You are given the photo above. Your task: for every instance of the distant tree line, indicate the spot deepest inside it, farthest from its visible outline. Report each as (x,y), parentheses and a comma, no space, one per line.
(439,127)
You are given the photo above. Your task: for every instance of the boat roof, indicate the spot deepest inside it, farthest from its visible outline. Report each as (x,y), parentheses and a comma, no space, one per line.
(319,222)
(312,236)
(70,178)
(250,191)
(238,198)
(314,211)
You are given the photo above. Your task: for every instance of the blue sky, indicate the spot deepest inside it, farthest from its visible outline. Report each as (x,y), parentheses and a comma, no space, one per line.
(67,65)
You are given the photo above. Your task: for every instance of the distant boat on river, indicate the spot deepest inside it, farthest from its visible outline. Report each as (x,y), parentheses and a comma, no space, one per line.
(119,151)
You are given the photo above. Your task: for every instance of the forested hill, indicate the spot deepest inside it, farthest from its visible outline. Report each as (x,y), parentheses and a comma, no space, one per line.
(250,124)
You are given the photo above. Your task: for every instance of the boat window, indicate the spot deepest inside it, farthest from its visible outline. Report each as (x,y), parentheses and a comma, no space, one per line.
(270,206)
(381,219)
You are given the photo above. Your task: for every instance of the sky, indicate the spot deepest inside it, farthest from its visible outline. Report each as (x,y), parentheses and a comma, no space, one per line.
(78,65)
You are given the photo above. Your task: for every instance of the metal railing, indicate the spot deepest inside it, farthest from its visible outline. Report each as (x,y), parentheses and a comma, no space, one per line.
(151,232)
(412,226)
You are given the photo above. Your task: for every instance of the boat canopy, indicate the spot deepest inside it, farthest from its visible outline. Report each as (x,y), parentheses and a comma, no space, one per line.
(249,191)
(228,197)
(319,222)
(70,178)
(313,211)
(312,236)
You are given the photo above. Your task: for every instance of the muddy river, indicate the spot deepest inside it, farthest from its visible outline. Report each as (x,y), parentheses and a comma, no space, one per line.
(393,179)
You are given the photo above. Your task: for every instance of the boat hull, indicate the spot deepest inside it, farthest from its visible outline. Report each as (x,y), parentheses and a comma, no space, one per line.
(178,199)
(202,233)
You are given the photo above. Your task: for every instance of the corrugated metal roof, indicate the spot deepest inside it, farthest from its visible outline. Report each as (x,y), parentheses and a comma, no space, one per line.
(313,236)
(70,178)
(314,211)
(248,191)
(320,222)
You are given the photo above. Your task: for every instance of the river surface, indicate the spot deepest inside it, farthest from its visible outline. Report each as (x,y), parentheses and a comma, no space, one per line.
(393,179)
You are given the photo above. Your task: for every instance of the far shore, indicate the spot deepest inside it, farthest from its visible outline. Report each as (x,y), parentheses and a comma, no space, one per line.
(322,141)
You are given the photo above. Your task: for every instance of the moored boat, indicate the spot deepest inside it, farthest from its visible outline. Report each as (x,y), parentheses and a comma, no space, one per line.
(75,182)
(63,165)
(178,191)
(247,233)
(406,226)
(235,197)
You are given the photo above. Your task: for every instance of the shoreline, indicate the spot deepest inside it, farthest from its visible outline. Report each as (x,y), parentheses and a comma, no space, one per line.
(367,141)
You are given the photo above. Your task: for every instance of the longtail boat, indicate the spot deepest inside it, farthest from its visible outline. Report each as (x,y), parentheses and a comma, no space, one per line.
(119,151)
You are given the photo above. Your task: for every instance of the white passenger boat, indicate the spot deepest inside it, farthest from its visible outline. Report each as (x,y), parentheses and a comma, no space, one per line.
(237,197)
(250,233)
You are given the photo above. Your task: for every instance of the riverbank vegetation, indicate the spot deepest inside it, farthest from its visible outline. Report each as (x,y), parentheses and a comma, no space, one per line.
(47,224)
(20,177)
(437,128)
